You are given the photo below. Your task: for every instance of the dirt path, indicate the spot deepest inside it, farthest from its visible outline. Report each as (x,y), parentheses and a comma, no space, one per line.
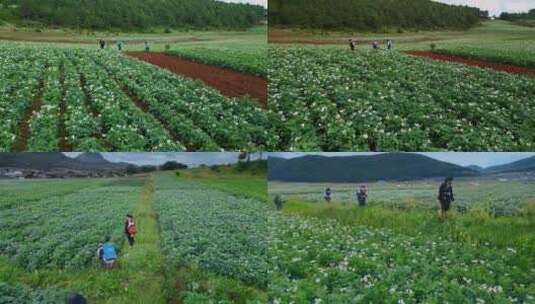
(474,62)
(64,145)
(21,144)
(141,265)
(228,82)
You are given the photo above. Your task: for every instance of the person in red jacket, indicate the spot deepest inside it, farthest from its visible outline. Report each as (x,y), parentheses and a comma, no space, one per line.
(130,229)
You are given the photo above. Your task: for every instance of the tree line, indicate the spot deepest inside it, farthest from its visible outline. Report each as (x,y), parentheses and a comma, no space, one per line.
(518,16)
(371,15)
(136,14)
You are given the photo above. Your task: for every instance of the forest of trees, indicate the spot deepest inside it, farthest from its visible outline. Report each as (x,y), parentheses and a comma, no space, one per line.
(518,16)
(370,15)
(134,14)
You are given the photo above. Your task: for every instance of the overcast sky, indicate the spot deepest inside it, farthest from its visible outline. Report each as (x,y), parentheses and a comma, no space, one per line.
(259,2)
(460,158)
(191,159)
(496,7)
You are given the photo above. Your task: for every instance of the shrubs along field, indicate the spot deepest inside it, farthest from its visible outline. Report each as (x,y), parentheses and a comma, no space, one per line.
(85,100)
(339,252)
(336,100)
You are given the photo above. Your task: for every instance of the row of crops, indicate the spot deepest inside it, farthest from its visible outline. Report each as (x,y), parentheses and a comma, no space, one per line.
(519,52)
(497,198)
(322,261)
(63,231)
(251,61)
(213,230)
(104,101)
(334,100)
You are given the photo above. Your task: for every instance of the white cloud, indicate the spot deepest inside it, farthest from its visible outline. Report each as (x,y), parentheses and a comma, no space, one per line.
(264,3)
(496,7)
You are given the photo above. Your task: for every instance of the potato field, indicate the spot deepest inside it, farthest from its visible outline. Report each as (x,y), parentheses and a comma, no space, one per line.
(75,99)
(333,99)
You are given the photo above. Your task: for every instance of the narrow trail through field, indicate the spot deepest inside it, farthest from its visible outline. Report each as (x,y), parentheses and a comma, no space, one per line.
(21,143)
(512,69)
(64,145)
(142,264)
(229,83)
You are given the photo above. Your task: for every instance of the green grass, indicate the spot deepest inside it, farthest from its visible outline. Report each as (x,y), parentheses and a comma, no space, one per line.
(250,184)
(473,227)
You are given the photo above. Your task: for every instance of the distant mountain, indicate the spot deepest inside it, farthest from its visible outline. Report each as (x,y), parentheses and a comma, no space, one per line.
(391,166)
(54,160)
(523,165)
(475,168)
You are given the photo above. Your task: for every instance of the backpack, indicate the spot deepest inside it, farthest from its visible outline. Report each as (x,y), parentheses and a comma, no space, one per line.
(132,229)
(109,253)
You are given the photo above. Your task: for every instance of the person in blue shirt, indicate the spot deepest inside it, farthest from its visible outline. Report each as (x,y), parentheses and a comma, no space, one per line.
(107,253)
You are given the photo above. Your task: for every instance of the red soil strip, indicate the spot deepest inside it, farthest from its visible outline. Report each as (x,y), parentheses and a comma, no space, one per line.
(229,83)
(21,144)
(475,62)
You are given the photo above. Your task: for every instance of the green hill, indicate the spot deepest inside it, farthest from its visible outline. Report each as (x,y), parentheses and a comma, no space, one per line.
(523,165)
(371,15)
(131,14)
(391,166)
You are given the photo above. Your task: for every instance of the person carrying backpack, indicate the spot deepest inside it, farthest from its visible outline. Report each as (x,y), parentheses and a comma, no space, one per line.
(107,253)
(327,195)
(445,195)
(147,47)
(120,45)
(130,229)
(389,44)
(102,44)
(362,195)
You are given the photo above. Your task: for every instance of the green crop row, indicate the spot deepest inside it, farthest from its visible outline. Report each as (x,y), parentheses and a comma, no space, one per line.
(333,100)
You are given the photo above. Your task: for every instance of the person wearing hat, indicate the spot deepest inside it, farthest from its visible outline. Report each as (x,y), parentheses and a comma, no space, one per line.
(445,195)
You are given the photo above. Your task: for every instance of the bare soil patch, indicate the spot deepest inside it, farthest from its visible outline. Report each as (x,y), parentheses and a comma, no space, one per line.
(475,62)
(229,83)
(21,144)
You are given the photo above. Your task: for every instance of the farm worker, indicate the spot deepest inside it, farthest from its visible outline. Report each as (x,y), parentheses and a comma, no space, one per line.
(362,195)
(279,203)
(147,48)
(130,229)
(120,45)
(328,195)
(76,299)
(107,253)
(375,45)
(445,195)
(352,44)
(389,44)
(102,44)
